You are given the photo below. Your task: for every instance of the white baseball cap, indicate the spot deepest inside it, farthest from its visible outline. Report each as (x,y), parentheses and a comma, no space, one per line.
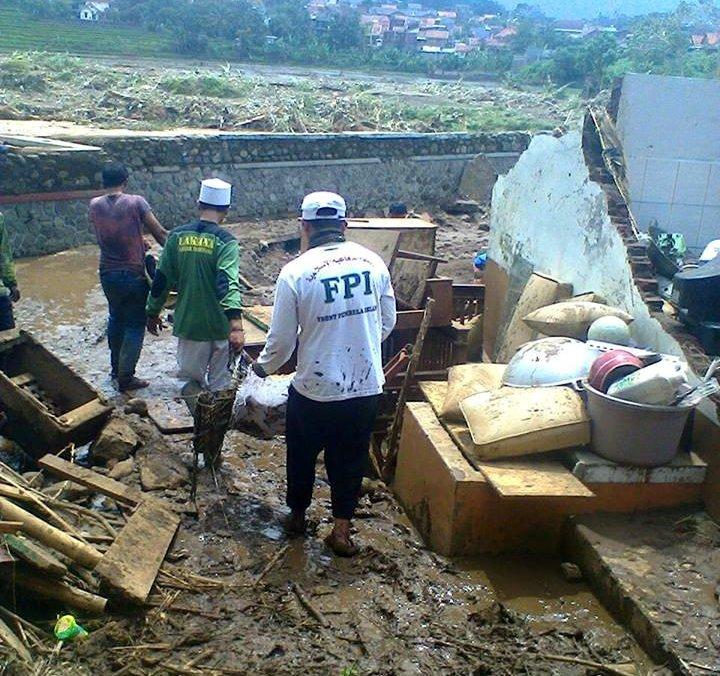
(215,192)
(323,200)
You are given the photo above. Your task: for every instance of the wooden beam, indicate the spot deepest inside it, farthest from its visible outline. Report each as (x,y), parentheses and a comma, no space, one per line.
(36,555)
(53,537)
(412,255)
(97,482)
(57,590)
(10,639)
(132,563)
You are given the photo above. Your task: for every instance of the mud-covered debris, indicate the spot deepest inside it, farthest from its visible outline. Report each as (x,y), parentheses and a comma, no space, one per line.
(122,469)
(138,406)
(116,442)
(162,470)
(571,572)
(67,490)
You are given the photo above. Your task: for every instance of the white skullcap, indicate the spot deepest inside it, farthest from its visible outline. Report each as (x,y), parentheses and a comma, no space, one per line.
(215,192)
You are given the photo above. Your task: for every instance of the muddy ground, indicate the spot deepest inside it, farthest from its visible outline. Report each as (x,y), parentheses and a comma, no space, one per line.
(397,608)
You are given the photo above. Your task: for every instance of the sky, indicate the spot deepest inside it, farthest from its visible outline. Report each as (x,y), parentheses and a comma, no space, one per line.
(587,9)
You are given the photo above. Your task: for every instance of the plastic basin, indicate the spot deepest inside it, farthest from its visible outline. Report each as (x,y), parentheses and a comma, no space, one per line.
(634,434)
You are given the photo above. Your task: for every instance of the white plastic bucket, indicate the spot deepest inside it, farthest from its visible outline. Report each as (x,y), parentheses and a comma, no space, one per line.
(634,434)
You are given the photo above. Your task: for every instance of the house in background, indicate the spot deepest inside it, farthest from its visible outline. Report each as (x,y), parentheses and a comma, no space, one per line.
(92,11)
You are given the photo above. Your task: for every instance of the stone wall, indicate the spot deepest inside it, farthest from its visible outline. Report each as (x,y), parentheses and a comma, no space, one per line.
(270,172)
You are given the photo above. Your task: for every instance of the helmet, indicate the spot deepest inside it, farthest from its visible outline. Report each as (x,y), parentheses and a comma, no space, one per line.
(549,361)
(609,330)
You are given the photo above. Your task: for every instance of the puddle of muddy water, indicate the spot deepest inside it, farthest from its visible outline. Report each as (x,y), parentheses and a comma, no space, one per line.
(59,290)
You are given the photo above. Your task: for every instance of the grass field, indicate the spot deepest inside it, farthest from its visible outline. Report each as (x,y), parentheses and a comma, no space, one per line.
(19,32)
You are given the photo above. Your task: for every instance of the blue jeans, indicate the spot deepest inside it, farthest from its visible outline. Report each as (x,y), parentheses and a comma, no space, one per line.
(126,294)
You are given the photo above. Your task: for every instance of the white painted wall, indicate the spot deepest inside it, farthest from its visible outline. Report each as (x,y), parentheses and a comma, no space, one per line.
(670,129)
(548,211)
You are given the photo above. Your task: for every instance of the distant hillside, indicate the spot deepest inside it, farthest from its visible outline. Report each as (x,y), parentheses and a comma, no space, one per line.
(587,9)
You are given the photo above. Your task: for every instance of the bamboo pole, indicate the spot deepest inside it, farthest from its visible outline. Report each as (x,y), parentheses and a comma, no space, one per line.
(10,639)
(57,590)
(78,551)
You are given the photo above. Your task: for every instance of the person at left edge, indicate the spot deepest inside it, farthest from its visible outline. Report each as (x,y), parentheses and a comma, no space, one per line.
(201,261)
(9,292)
(119,220)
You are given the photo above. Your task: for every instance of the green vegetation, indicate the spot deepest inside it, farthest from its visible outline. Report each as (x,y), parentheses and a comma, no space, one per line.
(80,90)
(237,30)
(20,30)
(203,85)
(658,43)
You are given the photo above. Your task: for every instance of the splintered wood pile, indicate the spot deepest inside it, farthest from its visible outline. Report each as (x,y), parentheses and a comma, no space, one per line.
(81,559)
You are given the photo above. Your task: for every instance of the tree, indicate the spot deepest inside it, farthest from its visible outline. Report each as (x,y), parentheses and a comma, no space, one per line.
(343,31)
(50,9)
(290,20)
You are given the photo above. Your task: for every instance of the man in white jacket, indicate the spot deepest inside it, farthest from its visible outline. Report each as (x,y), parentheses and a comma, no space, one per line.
(336,303)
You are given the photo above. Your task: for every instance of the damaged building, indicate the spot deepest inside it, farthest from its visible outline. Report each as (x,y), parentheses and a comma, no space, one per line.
(510,499)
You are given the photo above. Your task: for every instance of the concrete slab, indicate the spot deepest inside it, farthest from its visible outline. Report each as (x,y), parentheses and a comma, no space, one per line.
(658,573)
(592,468)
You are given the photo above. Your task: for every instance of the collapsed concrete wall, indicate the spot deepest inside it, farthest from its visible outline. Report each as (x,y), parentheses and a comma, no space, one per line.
(670,131)
(549,217)
(44,194)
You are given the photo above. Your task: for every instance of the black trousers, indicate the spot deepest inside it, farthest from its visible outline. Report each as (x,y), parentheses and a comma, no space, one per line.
(342,429)
(7,320)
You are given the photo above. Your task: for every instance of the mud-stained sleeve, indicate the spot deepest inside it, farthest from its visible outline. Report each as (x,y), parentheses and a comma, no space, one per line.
(228,282)
(7,267)
(388,308)
(282,338)
(165,278)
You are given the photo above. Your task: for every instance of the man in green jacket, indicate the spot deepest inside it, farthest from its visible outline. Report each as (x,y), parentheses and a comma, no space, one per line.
(201,261)
(9,292)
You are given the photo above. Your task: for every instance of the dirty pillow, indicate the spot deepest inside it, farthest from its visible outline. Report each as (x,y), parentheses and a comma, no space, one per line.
(516,421)
(571,318)
(465,380)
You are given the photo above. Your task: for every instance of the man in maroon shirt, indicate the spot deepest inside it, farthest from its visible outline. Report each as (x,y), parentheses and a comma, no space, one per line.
(119,221)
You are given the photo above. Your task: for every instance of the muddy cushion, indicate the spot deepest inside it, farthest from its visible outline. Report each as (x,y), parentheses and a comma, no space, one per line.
(465,380)
(571,318)
(515,421)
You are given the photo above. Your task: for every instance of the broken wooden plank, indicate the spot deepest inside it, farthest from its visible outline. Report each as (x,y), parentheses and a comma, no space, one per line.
(413,255)
(53,537)
(170,417)
(23,379)
(384,243)
(409,278)
(10,639)
(538,292)
(527,478)
(10,526)
(36,555)
(97,482)
(133,561)
(518,478)
(56,590)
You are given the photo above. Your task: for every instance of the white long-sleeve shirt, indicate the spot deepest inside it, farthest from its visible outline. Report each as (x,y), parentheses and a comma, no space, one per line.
(336,302)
